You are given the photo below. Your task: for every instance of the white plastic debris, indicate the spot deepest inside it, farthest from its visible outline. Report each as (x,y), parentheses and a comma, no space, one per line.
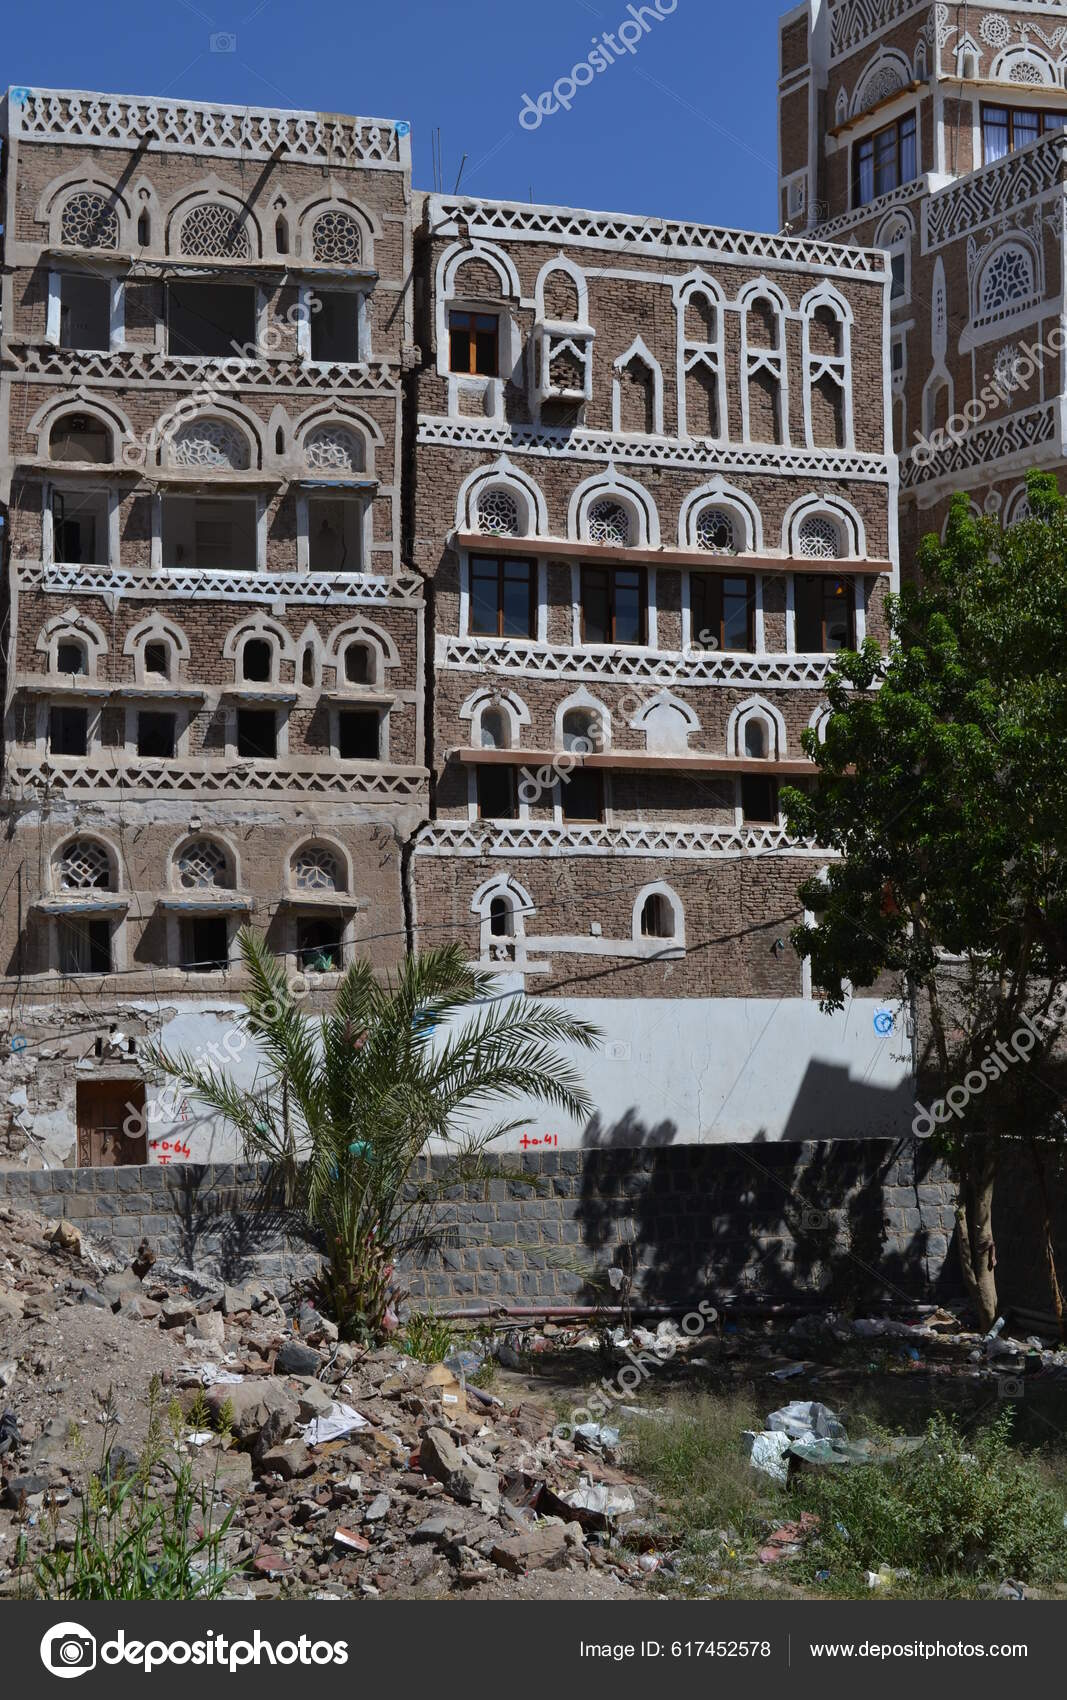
(199,1437)
(804,1417)
(598,1434)
(601,1498)
(767,1452)
(338,1420)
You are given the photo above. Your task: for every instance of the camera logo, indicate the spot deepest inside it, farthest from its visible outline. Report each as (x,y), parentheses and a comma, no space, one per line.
(68,1650)
(223,41)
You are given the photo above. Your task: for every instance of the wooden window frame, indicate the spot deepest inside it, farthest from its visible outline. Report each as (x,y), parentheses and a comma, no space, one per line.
(896,130)
(471,315)
(713,587)
(1042,114)
(503,562)
(611,576)
(823,580)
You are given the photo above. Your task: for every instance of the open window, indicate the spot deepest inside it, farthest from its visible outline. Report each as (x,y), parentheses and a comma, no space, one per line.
(72,656)
(335,327)
(257,734)
(335,534)
(157,660)
(156,735)
(68,730)
(205,944)
(360,664)
(759,799)
(210,321)
(657,917)
(84,311)
(80,530)
(497,793)
(210,533)
(257,661)
(319,944)
(359,734)
(80,437)
(84,944)
(582,796)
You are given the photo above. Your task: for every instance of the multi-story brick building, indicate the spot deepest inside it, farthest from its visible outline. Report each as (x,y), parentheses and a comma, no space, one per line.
(654,491)
(936,132)
(258,406)
(214,664)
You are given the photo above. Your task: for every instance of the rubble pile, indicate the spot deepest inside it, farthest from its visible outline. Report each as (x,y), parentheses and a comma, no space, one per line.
(353,1473)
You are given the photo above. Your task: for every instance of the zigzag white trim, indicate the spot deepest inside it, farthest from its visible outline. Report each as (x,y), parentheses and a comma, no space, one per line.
(527,838)
(542,661)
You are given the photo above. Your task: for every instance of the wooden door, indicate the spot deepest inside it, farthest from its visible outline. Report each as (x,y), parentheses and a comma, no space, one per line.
(106,1109)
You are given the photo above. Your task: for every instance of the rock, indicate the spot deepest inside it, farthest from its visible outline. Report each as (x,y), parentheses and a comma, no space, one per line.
(22,1488)
(11,1305)
(474,1486)
(439,1455)
(176,1313)
(289,1462)
(209,1326)
(51,1444)
(235,1300)
(120,1461)
(8,1371)
(252,1403)
(90,1296)
(120,1286)
(66,1238)
(377,1509)
(295,1358)
(442,1527)
(315,1399)
(541,1549)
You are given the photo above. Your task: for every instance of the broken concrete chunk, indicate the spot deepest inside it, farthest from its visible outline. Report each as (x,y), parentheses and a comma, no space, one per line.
(289,1462)
(252,1403)
(439,1455)
(295,1358)
(176,1313)
(541,1549)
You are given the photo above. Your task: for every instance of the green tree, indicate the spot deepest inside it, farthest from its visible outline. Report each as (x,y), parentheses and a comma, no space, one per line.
(942,788)
(343,1107)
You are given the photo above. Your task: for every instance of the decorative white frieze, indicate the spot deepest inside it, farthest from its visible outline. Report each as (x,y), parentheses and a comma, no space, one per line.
(516,221)
(642,666)
(124,366)
(700,454)
(94,778)
(537,838)
(1013,435)
(855,21)
(996,191)
(203,585)
(172,126)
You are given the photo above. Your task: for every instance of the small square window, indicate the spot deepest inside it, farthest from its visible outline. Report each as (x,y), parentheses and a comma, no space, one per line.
(70,658)
(155,735)
(84,311)
(157,659)
(205,944)
(497,799)
(319,945)
(68,732)
(257,734)
(359,734)
(335,326)
(582,795)
(474,344)
(759,799)
(84,945)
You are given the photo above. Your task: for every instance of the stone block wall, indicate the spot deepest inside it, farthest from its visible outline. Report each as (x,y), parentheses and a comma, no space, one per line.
(868,1220)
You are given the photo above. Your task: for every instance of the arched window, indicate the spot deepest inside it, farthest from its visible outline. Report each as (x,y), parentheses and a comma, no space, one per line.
(72,656)
(819,539)
(756,739)
(493,729)
(210,443)
(84,865)
(215,231)
(716,531)
(144,230)
(636,383)
(80,436)
(334,448)
(498,513)
(281,234)
(657,917)
(89,221)
(157,658)
(317,868)
(764,365)
(1007,282)
(360,668)
(583,730)
(203,865)
(702,398)
(257,661)
(609,522)
(307,665)
(501,918)
(336,238)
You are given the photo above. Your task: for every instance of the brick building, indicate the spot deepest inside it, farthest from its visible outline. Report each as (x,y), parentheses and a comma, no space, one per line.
(261,408)
(937,133)
(653,492)
(214,661)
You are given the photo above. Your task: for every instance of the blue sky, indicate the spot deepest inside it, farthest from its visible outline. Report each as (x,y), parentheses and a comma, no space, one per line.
(682,126)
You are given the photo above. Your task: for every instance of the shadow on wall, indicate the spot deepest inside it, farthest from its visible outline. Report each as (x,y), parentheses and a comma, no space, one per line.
(232,1225)
(838,1219)
(833,1104)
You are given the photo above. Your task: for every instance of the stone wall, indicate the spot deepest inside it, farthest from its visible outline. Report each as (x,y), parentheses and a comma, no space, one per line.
(868,1220)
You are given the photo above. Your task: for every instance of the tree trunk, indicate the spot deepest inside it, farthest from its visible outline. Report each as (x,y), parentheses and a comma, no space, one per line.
(974,1224)
(1049,1247)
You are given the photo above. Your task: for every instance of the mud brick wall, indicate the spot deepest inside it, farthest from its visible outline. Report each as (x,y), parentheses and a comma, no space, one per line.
(857,1220)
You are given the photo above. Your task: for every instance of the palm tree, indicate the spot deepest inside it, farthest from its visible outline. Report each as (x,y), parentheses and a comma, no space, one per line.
(343,1107)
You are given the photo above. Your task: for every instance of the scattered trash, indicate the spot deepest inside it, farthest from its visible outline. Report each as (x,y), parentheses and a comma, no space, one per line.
(802,1418)
(338,1420)
(788,1539)
(885,1576)
(768,1452)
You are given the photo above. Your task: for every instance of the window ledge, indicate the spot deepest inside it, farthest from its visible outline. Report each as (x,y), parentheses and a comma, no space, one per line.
(206,902)
(293,899)
(83,903)
(570,549)
(651,761)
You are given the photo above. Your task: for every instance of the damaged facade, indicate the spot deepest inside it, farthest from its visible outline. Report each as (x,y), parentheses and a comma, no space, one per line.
(937,133)
(264,414)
